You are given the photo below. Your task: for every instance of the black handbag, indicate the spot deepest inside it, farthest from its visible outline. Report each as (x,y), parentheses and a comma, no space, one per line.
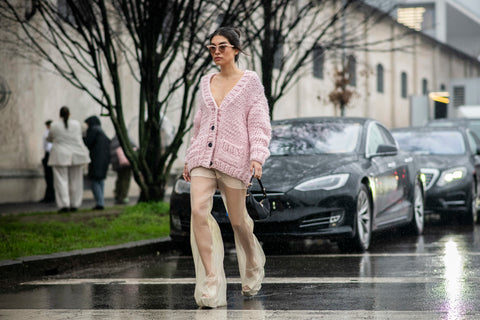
(257,210)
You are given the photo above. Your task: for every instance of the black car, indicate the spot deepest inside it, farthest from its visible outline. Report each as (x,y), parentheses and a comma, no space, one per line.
(333,177)
(451,165)
(470,123)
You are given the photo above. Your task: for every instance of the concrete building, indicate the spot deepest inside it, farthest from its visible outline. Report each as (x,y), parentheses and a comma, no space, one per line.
(455,23)
(452,22)
(387,77)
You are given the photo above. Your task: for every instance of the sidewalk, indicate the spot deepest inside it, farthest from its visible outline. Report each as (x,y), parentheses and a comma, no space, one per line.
(28,268)
(26,207)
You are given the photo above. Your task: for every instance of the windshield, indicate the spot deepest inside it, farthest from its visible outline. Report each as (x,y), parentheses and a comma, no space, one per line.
(437,143)
(314,138)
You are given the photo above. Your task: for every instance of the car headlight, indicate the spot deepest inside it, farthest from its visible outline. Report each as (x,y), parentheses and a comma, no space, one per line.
(451,175)
(182,186)
(331,182)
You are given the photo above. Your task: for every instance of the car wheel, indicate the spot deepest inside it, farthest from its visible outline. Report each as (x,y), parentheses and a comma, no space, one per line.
(418,219)
(470,215)
(362,224)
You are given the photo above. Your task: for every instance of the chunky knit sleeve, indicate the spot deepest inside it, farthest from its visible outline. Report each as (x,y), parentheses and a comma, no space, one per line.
(258,123)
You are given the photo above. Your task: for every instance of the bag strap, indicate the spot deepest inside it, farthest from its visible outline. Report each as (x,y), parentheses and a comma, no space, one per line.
(261,185)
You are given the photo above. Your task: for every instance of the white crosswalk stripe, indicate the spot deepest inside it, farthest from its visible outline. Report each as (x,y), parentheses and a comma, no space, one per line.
(220,314)
(268,280)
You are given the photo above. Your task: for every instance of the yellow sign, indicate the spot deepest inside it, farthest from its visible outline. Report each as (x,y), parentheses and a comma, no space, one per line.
(440,96)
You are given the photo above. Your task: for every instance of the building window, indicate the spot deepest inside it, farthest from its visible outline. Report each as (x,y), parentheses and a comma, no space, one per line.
(379,78)
(411,17)
(458,96)
(442,87)
(277,46)
(318,61)
(65,11)
(352,70)
(403,90)
(424,86)
(4,93)
(30,9)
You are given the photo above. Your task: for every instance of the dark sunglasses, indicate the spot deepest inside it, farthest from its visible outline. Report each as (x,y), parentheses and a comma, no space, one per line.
(221,47)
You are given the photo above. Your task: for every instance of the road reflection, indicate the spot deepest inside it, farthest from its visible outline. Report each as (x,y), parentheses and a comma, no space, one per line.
(437,272)
(454,263)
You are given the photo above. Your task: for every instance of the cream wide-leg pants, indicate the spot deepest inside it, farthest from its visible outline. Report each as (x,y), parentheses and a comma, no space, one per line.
(68,184)
(206,238)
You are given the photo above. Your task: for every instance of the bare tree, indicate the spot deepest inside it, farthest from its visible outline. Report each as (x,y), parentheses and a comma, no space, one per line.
(284,35)
(91,43)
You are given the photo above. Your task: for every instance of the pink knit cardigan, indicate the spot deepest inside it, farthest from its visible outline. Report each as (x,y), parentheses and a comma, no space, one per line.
(230,136)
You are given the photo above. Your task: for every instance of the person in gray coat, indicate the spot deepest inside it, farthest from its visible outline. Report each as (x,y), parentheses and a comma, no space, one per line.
(121,166)
(99,145)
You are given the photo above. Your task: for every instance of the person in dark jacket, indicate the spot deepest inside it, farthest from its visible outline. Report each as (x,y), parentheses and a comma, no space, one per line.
(99,145)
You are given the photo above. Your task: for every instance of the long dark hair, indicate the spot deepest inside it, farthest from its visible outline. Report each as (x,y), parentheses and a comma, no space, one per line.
(232,35)
(65,114)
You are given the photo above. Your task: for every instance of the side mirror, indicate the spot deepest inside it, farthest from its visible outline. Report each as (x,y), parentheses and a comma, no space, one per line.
(386,150)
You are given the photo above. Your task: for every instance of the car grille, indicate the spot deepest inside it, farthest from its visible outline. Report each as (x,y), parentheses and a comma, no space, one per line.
(431,176)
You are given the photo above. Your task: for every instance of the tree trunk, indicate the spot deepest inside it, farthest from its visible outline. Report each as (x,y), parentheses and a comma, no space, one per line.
(268,54)
(156,192)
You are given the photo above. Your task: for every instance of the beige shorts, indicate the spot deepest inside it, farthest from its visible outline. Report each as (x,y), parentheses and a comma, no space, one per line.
(229,181)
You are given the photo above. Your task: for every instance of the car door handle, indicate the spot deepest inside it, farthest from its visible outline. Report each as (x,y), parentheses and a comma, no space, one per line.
(391,164)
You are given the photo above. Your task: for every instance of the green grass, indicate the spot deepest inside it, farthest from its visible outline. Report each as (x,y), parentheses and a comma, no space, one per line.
(45,233)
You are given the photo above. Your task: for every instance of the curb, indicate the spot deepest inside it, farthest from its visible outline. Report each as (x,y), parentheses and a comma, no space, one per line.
(28,268)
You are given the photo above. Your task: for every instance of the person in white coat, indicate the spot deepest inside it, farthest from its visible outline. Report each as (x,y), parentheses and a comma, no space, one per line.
(68,157)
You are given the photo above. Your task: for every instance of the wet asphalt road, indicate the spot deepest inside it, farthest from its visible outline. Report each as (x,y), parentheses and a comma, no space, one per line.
(435,276)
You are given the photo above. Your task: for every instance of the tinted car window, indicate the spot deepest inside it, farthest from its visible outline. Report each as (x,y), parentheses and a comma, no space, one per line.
(474,125)
(424,142)
(472,142)
(387,137)
(375,138)
(314,138)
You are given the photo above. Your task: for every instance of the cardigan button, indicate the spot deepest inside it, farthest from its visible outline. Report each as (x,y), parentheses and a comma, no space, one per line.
(213,127)
(210,144)
(211,162)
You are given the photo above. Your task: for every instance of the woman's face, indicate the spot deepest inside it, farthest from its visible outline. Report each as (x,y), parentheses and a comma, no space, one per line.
(222,51)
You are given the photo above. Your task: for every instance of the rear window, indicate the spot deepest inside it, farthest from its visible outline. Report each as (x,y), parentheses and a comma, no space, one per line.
(443,124)
(436,143)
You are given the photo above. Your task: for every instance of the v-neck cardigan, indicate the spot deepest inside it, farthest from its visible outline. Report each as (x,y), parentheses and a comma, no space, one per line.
(228,137)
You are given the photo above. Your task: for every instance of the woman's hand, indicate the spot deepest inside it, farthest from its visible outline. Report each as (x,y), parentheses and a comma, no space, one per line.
(186,174)
(255,165)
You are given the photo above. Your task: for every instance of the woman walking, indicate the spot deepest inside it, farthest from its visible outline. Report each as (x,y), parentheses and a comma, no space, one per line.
(230,141)
(68,157)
